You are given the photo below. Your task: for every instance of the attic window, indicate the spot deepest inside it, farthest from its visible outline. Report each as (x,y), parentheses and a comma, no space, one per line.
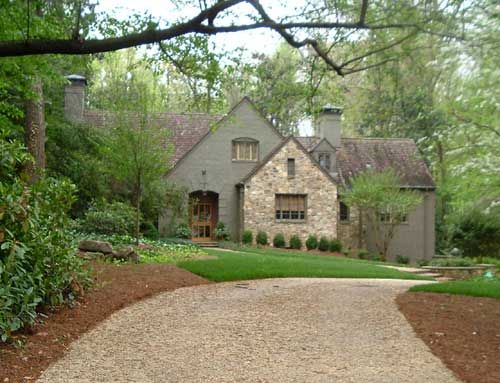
(291,167)
(324,160)
(245,149)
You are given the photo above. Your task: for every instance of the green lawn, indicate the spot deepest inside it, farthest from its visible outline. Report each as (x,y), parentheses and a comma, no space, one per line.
(474,287)
(270,263)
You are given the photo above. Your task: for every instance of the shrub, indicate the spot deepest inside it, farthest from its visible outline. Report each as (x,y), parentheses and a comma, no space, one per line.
(295,242)
(312,242)
(247,237)
(323,244)
(422,262)
(279,240)
(335,246)
(221,231)
(477,232)
(37,258)
(108,218)
(453,262)
(149,230)
(183,231)
(376,257)
(362,254)
(402,259)
(261,238)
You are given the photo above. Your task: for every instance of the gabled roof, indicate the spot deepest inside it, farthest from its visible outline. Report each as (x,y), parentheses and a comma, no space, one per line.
(309,143)
(276,151)
(359,154)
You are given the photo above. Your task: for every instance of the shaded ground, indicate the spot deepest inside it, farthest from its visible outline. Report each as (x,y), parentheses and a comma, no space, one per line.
(275,330)
(464,332)
(116,287)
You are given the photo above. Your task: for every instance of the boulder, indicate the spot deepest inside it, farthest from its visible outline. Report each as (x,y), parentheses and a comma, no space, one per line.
(89,255)
(88,245)
(127,254)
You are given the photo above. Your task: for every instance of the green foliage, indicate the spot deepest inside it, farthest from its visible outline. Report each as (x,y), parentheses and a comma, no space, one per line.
(478,287)
(362,254)
(335,246)
(279,240)
(295,242)
(161,252)
(402,259)
(221,231)
(108,218)
(312,242)
(149,230)
(183,231)
(37,261)
(323,244)
(477,231)
(451,262)
(247,237)
(261,238)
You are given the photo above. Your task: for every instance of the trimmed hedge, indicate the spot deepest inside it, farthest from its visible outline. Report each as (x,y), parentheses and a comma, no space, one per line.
(323,244)
(261,238)
(312,242)
(247,237)
(279,240)
(295,242)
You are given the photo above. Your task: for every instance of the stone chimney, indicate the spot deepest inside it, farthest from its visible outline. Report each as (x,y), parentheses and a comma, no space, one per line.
(328,124)
(74,97)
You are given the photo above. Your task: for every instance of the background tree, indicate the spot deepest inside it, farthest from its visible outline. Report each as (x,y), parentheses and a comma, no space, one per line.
(382,203)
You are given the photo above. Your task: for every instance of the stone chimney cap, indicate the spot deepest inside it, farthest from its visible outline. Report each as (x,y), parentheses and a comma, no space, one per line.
(76,78)
(332,109)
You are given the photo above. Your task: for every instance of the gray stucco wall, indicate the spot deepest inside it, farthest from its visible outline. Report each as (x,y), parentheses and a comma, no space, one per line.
(415,239)
(325,147)
(214,155)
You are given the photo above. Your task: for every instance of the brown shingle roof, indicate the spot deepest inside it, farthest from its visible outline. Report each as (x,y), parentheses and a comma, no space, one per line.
(186,129)
(308,142)
(359,154)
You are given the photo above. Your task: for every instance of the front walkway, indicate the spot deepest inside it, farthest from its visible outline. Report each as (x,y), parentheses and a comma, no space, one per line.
(275,330)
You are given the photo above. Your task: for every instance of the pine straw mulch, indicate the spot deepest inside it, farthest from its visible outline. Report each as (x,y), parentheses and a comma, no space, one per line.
(464,332)
(116,286)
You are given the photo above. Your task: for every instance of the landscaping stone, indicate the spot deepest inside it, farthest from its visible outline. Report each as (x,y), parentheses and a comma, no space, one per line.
(89,255)
(127,254)
(92,246)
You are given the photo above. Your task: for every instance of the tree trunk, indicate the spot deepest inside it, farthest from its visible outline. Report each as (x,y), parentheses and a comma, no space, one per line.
(138,209)
(35,131)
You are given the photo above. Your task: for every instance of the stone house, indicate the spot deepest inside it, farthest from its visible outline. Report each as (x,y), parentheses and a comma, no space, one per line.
(240,170)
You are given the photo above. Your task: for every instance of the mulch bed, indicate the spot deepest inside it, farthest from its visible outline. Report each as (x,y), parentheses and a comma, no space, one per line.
(116,286)
(464,332)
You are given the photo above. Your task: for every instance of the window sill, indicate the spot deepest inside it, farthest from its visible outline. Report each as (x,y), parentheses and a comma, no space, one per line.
(345,222)
(247,161)
(290,220)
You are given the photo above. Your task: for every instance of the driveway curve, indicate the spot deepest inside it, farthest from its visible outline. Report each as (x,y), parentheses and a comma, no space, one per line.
(273,330)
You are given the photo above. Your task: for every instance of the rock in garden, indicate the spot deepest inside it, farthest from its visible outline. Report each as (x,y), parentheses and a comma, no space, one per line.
(126,254)
(88,245)
(89,255)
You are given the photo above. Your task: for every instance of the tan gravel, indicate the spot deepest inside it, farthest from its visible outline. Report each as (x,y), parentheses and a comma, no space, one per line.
(274,330)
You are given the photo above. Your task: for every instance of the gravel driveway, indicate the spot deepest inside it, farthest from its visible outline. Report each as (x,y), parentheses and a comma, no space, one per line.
(274,330)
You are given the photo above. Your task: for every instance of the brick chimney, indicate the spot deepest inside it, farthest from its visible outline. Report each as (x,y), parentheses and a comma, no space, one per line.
(328,124)
(74,97)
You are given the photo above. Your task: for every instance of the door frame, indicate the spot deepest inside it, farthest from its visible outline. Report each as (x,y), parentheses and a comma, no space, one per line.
(201,202)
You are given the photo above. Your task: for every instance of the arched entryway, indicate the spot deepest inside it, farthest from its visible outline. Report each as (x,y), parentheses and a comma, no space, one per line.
(203,215)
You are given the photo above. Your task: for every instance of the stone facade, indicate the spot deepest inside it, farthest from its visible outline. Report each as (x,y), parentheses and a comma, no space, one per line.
(350,232)
(272,178)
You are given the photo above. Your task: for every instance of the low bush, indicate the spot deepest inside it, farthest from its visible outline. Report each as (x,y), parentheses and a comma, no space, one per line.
(377,257)
(108,218)
(312,242)
(335,246)
(451,262)
(323,244)
(402,259)
(362,254)
(422,262)
(279,240)
(221,232)
(149,230)
(183,231)
(261,238)
(247,237)
(295,242)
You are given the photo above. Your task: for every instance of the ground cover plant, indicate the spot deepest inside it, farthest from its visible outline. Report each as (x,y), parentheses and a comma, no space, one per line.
(273,263)
(477,287)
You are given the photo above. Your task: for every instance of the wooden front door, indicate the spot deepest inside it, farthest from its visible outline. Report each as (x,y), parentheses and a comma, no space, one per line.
(203,218)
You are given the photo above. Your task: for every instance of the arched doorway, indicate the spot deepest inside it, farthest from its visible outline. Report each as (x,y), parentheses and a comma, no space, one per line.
(203,215)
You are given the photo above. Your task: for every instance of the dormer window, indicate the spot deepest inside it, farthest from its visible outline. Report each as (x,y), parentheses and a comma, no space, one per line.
(245,149)
(324,160)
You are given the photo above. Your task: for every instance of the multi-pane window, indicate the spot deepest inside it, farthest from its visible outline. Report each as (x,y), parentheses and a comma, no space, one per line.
(343,212)
(291,167)
(389,218)
(324,160)
(291,207)
(245,150)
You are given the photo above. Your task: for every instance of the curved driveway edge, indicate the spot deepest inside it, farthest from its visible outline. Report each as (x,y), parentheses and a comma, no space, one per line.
(272,330)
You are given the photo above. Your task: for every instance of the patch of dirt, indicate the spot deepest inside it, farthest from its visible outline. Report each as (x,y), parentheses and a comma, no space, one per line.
(464,332)
(116,286)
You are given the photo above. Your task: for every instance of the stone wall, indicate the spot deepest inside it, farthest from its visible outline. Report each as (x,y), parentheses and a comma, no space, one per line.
(349,232)
(272,178)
